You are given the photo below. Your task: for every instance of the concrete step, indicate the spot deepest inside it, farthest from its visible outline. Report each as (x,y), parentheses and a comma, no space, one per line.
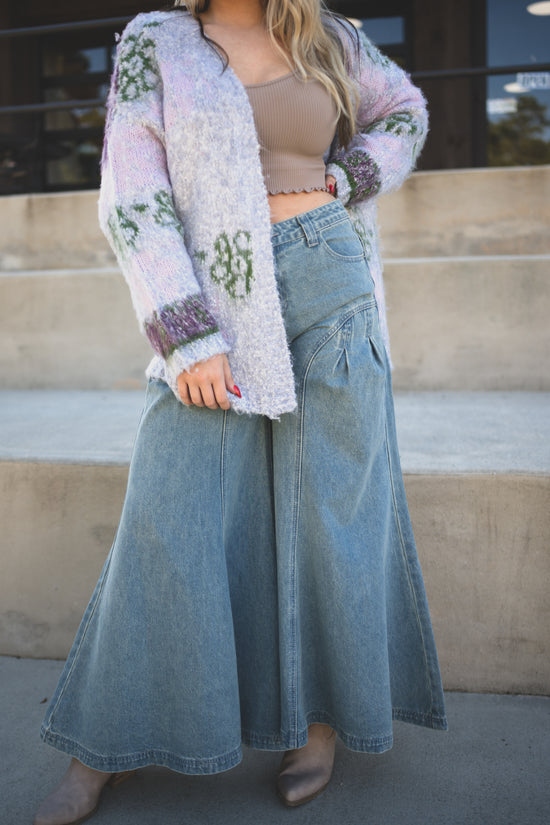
(477,474)
(472,323)
(70,328)
(464,212)
(475,323)
(52,231)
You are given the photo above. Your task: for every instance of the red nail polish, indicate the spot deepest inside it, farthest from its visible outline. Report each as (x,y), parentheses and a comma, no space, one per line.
(237,391)
(331,188)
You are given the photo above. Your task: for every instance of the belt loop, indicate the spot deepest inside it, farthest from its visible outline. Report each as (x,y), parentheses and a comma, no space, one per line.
(309,229)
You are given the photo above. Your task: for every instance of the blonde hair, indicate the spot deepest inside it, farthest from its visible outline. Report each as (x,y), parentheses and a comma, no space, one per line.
(308,45)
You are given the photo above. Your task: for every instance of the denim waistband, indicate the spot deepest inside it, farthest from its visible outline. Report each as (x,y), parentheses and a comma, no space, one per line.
(307,224)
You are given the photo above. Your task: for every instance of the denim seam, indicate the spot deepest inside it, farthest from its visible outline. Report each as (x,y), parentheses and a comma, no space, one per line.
(281,741)
(293,582)
(222,467)
(352,259)
(316,222)
(296,503)
(147,756)
(434,720)
(296,240)
(407,567)
(300,233)
(311,232)
(347,333)
(337,256)
(82,638)
(332,331)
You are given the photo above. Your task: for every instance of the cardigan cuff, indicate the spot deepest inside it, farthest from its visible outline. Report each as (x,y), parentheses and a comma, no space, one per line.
(343,189)
(358,174)
(186,356)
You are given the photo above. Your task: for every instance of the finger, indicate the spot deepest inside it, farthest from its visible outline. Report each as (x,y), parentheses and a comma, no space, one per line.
(208,396)
(183,390)
(228,378)
(330,183)
(196,397)
(221,393)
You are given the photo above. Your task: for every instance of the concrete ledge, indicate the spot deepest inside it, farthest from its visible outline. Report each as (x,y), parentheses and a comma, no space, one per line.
(61,427)
(49,231)
(457,212)
(474,433)
(439,432)
(59,521)
(503,211)
(477,474)
(483,545)
(474,323)
(69,329)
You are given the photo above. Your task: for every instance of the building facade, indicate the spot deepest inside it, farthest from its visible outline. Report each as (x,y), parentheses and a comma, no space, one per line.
(484,66)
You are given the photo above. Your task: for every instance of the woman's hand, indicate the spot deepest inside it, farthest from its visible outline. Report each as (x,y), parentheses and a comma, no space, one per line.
(206,384)
(330,183)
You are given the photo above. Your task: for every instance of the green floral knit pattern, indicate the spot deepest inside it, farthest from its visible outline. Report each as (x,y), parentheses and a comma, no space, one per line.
(136,74)
(232,263)
(125,230)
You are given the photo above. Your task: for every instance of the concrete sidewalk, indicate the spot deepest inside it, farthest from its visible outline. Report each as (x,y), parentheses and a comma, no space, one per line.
(490,768)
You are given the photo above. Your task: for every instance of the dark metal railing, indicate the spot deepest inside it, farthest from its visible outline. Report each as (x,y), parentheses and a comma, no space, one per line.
(38,142)
(50,107)
(54,28)
(438,74)
(480,71)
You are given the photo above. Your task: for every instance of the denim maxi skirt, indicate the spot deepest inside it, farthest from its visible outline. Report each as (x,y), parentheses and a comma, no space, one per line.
(264,574)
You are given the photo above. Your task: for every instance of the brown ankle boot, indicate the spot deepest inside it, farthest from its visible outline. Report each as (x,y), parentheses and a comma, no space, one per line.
(305,772)
(76,797)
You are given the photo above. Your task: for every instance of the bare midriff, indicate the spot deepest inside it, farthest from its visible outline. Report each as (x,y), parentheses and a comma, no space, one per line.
(287,205)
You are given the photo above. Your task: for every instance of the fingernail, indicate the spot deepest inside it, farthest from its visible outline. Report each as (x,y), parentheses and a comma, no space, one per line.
(331,188)
(237,391)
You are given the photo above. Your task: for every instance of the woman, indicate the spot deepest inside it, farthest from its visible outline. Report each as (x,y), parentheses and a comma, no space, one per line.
(263,586)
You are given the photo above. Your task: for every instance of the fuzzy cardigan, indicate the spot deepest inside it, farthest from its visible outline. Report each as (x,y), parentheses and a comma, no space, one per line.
(183,204)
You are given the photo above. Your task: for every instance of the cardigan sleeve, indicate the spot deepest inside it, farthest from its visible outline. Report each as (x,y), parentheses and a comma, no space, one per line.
(392,126)
(137,212)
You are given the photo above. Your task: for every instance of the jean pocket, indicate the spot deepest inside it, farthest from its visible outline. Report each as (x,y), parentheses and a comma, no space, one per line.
(342,241)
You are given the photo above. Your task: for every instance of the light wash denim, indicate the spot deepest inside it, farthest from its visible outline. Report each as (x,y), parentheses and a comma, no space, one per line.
(264,574)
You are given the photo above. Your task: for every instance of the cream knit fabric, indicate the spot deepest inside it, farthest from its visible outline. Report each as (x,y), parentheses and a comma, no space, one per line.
(184,206)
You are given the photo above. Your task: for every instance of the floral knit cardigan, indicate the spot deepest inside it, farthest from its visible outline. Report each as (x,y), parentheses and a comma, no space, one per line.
(183,203)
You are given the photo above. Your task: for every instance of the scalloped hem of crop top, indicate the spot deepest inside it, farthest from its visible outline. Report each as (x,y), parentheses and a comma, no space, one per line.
(299,191)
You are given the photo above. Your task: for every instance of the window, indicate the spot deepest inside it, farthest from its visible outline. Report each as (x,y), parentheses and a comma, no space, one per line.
(388,33)
(518,105)
(74,67)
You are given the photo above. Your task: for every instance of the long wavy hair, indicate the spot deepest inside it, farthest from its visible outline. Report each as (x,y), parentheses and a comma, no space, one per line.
(309,46)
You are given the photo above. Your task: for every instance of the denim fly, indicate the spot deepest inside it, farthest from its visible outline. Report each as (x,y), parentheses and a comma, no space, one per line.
(264,574)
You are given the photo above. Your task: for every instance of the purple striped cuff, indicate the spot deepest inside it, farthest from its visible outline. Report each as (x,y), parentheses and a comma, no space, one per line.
(178,324)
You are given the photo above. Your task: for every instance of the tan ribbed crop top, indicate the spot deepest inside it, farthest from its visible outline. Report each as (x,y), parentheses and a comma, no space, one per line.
(295,121)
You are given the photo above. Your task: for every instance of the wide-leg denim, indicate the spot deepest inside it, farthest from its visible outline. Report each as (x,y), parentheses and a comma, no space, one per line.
(264,574)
